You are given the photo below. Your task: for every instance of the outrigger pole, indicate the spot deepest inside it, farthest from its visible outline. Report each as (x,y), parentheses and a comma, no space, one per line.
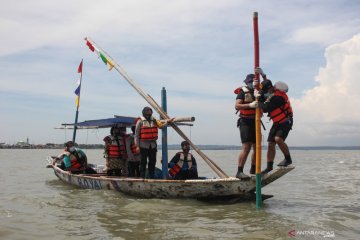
(161,112)
(257,114)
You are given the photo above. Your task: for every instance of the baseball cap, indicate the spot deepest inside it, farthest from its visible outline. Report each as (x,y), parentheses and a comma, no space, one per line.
(249,78)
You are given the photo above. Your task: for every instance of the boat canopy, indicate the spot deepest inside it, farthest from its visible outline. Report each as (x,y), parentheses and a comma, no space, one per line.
(120,121)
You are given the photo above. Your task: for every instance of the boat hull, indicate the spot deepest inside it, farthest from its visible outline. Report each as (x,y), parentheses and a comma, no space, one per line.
(215,188)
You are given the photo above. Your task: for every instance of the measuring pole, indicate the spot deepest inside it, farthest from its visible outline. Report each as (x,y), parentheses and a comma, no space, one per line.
(257,114)
(164,145)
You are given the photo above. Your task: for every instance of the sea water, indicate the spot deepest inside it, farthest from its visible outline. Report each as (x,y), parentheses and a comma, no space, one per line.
(319,199)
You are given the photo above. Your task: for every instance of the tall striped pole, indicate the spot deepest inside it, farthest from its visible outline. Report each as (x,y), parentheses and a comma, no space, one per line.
(258,114)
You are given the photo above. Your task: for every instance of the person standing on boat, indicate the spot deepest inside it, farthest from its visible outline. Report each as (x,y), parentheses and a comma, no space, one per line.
(246,123)
(146,134)
(133,156)
(183,164)
(74,160)
(115,152)
(277,105)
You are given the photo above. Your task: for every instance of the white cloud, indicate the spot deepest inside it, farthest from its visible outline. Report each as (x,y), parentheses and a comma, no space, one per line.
(323,34)
(328,112)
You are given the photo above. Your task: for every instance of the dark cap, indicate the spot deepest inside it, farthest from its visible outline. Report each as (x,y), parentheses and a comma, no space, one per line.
(266,85)
(183,143)
(146,109)
(69,143)
(249,78)
(112,129)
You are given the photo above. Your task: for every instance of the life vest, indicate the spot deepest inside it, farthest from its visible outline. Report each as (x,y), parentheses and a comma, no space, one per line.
(149,129)
(116,148)
(174,171)
(133,148)
(77,160)
(177,166)
(249,97)
(282,113)
(130,138)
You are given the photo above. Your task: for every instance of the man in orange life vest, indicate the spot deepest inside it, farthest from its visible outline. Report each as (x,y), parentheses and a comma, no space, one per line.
(146,134)
(74,160)
(183,164)
(278,107)
(246,123)
(115,152)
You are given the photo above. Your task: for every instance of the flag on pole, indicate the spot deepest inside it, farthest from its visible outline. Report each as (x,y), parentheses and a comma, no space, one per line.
(77,90)
(100,54)
(111,64)
(80,67)
(91,47)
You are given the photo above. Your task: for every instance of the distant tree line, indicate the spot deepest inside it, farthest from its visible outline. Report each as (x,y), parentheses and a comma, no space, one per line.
(172,147)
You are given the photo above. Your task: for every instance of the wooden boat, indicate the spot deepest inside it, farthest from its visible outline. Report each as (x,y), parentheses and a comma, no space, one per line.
(221,188)
(202,188)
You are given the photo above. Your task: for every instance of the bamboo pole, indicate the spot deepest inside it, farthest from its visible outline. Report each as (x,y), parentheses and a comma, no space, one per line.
(182,119)
(257,114)
(161,112)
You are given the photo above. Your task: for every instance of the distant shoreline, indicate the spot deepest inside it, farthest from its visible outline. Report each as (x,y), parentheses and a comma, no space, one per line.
(177,147)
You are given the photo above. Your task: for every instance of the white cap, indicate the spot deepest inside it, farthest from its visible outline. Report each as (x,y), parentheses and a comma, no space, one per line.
(281,86)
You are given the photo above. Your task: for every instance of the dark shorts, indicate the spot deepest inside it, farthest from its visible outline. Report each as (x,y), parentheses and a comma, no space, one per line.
(281,130)
(247,130)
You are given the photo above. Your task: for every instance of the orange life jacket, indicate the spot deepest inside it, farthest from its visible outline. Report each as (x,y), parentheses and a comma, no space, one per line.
(116,149)
(77,161)
(133,148)
(249,97)
(282,113)
(149,129)
(174,171)
(177,166)
(130,137)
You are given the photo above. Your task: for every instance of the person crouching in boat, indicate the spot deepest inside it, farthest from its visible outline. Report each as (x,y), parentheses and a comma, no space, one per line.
(133,156)
(74,160)
(146,134)
(183,164)
(246,123)
(277,105)
(115,152)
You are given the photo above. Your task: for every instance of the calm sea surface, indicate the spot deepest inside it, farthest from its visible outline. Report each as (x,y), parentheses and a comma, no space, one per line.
(317,200)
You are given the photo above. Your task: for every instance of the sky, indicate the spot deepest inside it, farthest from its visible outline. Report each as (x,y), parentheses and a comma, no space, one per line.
(200,51)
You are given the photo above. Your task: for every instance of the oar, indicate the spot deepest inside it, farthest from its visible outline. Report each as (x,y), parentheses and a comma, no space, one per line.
(162,113)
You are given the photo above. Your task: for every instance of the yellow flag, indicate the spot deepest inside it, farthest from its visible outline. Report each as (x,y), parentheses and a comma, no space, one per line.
(77,101)
(111,65)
